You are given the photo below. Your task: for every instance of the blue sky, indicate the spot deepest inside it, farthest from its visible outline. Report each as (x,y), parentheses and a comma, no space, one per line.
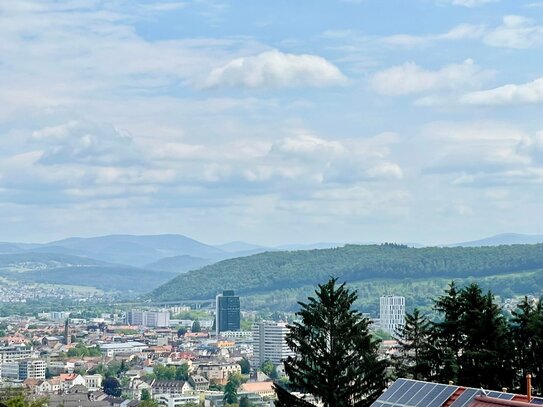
(271,121)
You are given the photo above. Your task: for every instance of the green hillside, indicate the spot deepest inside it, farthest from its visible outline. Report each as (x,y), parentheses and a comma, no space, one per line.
(282,278)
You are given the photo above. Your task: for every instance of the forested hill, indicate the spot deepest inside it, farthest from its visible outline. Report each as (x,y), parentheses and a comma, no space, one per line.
(271,271)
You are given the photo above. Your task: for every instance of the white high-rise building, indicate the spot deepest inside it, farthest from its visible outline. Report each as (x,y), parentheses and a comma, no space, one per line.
(154,319)
(392,313)
(269,343)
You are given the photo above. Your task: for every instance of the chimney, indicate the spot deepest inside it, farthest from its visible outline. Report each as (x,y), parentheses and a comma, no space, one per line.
(504,389)
(529,387)
(451,382)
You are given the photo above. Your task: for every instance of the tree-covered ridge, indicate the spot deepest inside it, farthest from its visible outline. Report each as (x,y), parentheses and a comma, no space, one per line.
(271,271)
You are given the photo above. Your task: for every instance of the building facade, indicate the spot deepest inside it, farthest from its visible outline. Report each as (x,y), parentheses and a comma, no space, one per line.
(392,313)
(227,312)
(269,343)
(153,319)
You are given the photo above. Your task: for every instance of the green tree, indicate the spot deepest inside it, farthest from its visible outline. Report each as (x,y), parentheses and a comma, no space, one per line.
(336,356)
(487,352)
(145,395)
(182,372)
(414,339)
(164,372)
(267,367)
(231,390)
(196,326)
(245,366)
(112,387)
(181,331)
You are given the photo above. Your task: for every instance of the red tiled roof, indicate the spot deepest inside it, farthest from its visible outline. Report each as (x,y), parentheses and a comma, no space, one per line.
(485,401)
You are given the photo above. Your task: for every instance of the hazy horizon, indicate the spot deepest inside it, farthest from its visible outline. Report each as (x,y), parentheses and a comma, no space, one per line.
(271,122)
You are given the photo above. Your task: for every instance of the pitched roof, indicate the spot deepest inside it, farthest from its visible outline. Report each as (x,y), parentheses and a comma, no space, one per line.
(414,393)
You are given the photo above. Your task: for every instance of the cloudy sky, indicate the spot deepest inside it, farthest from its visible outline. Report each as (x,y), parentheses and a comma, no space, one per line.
(271,121)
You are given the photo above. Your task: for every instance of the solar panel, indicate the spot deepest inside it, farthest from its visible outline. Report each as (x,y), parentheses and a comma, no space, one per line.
(416,399)
(537,400)
(392,389)
(432,394)
(465,397)
(377,404)
(447,392)
(506,396)
(417,386)
(493,394)
(400,392)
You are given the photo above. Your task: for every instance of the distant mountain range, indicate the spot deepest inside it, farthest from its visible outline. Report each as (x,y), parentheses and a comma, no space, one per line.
(141,263)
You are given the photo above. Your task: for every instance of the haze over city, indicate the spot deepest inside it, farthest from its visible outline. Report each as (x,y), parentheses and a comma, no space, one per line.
(271,122)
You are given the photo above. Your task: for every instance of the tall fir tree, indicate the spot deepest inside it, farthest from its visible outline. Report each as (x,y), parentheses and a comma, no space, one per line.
(414,358)
(336,356)
(447,336)
(486,353)
(527,333)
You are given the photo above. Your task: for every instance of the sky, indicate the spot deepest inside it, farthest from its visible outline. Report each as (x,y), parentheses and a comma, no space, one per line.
(271,121)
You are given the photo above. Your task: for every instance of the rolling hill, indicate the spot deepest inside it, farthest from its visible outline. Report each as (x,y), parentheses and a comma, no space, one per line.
(273,278)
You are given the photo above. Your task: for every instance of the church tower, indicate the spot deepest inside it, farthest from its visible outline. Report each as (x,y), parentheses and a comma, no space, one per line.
(67,332)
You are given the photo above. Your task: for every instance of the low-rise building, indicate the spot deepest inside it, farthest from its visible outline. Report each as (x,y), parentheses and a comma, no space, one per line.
(218,373)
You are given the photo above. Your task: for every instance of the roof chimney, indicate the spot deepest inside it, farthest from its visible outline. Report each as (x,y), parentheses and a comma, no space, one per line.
(504,389)
(529,387)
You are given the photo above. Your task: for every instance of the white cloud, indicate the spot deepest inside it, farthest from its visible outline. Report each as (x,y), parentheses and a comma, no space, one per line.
(409,78)
(527,93)
(484,153)
(516,32)
(471,3)
(276,69)
(459,32)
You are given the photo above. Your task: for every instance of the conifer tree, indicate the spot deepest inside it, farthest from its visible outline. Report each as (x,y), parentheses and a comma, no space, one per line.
(415,347)
(336,356)
(485,359)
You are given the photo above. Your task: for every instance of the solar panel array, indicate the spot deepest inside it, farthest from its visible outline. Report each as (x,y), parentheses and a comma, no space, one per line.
(413,393)
(406,392)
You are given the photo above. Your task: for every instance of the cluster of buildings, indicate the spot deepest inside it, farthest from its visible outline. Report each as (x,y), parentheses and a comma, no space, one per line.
(18,292)
(149,352)
(68,359)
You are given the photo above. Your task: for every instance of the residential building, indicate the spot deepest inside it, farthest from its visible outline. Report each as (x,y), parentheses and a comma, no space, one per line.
(32,369)
(14,353)
(199,383)
(93,382)
(269,343)
(392,313)
(218,373)
(227,315)
(171,387)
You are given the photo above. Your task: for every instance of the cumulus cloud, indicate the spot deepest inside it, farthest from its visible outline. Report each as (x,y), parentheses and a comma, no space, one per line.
(85,143)
(527,93)
(515,32)
(485,153)
(276,69)
(409,78)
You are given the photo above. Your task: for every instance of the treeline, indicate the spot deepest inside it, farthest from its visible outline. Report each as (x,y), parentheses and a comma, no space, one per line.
(473,343)
(271,271)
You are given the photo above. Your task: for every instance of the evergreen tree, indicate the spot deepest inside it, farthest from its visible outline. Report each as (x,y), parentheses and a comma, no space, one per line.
(336,356)
(245,366)
(245,402)
(486,354)
(415,348)
(527,332)
(145,395)
(196,326)
(231,390)
(447,336)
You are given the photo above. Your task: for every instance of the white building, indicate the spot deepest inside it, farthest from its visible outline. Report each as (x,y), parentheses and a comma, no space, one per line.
(392,313)
(24,369)
(269,343)
(154,319)
(111,349)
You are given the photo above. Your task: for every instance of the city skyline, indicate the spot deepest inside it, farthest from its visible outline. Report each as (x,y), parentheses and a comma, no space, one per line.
(271,122)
